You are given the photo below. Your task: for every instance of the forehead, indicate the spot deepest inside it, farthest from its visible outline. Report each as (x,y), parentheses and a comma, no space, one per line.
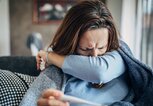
(95,36)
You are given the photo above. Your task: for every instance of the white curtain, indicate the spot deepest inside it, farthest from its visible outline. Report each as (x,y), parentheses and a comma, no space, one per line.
(146,53)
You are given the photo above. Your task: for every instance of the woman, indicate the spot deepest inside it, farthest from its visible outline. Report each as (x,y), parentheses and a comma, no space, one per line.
(85,47)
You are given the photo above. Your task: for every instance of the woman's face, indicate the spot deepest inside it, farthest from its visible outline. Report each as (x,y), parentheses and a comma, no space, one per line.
(93,42)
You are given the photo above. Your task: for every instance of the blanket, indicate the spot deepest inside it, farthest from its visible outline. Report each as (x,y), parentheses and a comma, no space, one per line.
(140,77)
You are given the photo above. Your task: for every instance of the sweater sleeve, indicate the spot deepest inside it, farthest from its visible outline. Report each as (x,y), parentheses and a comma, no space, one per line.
(100,69)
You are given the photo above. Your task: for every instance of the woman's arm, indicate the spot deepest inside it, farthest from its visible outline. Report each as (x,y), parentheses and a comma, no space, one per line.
(49,58)
(101,69)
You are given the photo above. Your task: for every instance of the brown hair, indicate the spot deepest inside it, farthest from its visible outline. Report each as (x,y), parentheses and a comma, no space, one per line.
(86,15)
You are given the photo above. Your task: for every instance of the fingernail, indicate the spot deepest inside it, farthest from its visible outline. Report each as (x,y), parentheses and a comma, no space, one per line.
(51,97)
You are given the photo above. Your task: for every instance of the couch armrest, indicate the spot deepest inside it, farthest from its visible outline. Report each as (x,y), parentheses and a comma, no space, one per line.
(20,64)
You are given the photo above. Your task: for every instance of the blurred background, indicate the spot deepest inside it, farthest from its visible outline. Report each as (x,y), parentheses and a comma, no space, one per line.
(27,25)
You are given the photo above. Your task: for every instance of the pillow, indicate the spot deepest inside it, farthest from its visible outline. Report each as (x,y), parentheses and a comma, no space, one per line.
(13,87)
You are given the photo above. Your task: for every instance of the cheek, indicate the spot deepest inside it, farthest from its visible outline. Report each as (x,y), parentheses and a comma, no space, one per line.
(77,51)
(103,51)
(82,53)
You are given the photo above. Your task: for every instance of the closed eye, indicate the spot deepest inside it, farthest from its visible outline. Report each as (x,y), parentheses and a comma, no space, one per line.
(102,47)
(87,49)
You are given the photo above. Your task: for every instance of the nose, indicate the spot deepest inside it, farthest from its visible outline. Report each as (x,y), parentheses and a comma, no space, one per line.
(94,53)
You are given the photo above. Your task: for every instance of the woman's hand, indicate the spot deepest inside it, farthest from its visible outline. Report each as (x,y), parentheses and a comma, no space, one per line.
(51,97)
(49,58)
(41,55)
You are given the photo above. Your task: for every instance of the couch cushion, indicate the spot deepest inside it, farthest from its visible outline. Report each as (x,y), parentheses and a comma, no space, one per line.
(19,64)
(12,87)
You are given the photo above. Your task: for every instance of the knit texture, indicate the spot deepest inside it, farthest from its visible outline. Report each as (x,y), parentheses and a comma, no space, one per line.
(52,77)
(140,77)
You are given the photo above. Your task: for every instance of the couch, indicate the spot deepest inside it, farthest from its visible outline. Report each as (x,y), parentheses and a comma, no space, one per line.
(16,75)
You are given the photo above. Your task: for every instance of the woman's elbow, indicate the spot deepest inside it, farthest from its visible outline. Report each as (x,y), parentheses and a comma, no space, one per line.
(99,76)
(104,75)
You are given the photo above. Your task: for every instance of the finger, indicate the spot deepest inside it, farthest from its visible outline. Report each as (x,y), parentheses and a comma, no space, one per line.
(52,92)
(42,102)
(55,102)
(38,66)
(38,55)
(38,58)
(67,103)
(38,63)
(51,97)
(51,102)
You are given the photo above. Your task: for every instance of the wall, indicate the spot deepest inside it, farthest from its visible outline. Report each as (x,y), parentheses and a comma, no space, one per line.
(128,26)
(115,7)
(4,28)
(21,26)
(124,13)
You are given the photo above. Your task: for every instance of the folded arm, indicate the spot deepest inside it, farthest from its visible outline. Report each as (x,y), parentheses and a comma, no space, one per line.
(101,69)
